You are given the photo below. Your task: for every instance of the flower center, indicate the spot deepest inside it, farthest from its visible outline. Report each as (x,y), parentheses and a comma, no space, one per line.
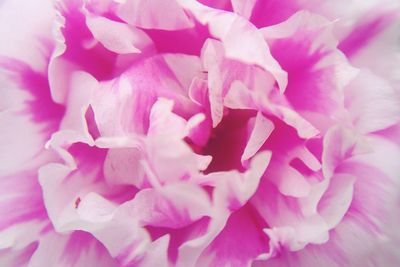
(227,141)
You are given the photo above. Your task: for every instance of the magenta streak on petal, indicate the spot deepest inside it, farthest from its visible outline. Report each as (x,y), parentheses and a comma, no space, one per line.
(370,191)
(25,202)
(392,133)
(154,78)
(123,194)
(227,141)
(314,145)
(308,89)
(49,227)
(300,166)
(97,60)
(41,108)
(270,12)
(240,241)
(282,139)
(218,4)
(180,236)
(124,256)
(283,142)
(187,41)
(18,211)
(364,33)
(87,157)
(85,153)
(80,243)
(23,256)
(177,217)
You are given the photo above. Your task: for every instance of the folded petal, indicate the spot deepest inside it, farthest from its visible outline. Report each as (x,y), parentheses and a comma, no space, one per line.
(135,92)
(232,83)
(260,133)
(240,39)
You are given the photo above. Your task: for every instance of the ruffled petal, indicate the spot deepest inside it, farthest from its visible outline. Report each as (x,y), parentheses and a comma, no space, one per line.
(240,39)
(135,92)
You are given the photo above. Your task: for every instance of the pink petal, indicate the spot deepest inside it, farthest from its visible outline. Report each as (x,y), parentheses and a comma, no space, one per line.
(117,37)
(171,159)
(22,211)
(172,206)
(337,199)
(225,75)
(154,14)
(339,145)
(135,92)
(164,122)
(277,10)
(157,254)
(238,243)
(234,188)
(17,258)
(306,48)
(260,133)
(240,39)
(38,29)
(76,249)
(82,87)
(114,227)
(244,8)
(74,51)
(284,211)
(122,166)
(367,28)
(287,148)
(372,103)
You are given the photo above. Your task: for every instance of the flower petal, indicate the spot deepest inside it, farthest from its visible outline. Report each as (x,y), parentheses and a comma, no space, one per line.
(76,249)
(154,14)
(117,37)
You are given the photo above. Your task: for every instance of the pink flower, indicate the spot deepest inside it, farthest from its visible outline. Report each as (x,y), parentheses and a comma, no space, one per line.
(199,133)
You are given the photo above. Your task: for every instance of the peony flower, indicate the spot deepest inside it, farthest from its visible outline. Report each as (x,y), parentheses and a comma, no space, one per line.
(199,133)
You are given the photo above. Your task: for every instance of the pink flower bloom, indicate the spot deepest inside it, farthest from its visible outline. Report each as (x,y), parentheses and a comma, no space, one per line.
(199,133)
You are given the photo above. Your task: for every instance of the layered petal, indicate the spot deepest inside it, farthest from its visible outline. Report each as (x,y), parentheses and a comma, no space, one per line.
(306,48)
